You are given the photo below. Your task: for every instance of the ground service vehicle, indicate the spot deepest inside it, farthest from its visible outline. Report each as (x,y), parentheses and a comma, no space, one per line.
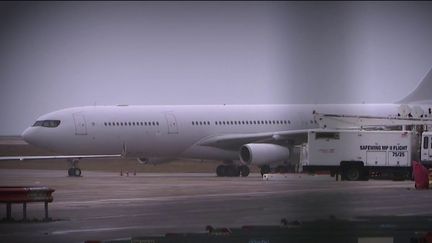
(357,154)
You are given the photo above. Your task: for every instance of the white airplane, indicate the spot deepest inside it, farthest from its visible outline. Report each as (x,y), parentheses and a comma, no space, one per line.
(238,135)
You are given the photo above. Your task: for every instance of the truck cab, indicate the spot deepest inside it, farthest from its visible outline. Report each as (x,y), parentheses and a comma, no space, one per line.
(426,149)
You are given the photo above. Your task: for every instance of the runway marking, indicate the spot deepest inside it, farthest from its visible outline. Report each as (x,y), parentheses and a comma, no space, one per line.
(63,232)
(184,197)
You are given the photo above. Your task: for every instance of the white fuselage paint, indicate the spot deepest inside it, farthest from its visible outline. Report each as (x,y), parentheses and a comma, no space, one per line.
(86,130)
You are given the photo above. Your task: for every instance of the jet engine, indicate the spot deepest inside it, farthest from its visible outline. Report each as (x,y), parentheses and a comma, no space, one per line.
(143,160)
(263,153)
(154,161)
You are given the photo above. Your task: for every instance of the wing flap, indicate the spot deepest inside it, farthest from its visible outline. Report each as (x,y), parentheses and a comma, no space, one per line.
(235,141)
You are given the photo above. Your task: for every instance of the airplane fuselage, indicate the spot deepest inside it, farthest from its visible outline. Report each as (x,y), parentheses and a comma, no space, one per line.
(175,131)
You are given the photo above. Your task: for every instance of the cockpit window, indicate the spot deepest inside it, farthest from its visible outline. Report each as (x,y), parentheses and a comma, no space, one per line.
(47,123)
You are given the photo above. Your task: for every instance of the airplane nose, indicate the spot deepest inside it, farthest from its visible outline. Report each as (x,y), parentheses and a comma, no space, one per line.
(26,135)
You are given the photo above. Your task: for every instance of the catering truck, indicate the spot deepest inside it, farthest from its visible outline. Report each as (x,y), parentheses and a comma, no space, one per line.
(358,154)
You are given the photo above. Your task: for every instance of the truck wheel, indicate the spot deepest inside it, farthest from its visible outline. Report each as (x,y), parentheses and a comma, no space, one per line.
(352,173)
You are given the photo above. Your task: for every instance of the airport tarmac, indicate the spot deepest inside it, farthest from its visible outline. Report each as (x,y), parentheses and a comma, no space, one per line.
(107,206)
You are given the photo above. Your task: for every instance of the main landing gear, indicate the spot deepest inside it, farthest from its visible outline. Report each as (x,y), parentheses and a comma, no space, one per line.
(232,170)
(74,170)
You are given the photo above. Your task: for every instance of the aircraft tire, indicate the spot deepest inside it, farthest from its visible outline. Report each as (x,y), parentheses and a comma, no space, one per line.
(244,170)
(353,173)
(71,172)
(233,171)
(77,172)
(221,170)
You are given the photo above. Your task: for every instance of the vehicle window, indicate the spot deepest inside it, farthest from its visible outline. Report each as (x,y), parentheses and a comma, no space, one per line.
(47,123)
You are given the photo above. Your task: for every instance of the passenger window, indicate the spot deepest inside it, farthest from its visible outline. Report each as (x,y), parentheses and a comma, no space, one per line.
(426,142)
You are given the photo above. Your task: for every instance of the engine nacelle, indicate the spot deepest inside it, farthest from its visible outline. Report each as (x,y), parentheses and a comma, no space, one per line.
(143,160)
(154,161)
(263,153)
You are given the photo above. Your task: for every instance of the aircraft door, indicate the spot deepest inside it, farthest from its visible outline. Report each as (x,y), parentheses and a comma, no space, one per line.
(80,123)
(172,123)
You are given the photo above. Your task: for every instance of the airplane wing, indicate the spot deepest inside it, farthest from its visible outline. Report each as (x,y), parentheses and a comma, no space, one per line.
(235,141)
(59,157)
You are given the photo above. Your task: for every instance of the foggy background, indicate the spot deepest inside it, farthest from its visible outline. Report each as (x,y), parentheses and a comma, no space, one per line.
(55,55)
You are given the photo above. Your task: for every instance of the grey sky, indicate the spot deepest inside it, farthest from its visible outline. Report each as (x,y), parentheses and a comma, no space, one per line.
(62,54)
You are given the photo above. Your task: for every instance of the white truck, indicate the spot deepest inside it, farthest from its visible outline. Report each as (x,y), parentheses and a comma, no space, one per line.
(357,154)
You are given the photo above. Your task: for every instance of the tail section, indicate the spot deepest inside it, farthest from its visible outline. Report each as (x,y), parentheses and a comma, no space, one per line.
(422,94)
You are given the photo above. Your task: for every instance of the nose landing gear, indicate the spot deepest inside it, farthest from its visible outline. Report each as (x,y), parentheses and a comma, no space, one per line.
(74,171)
